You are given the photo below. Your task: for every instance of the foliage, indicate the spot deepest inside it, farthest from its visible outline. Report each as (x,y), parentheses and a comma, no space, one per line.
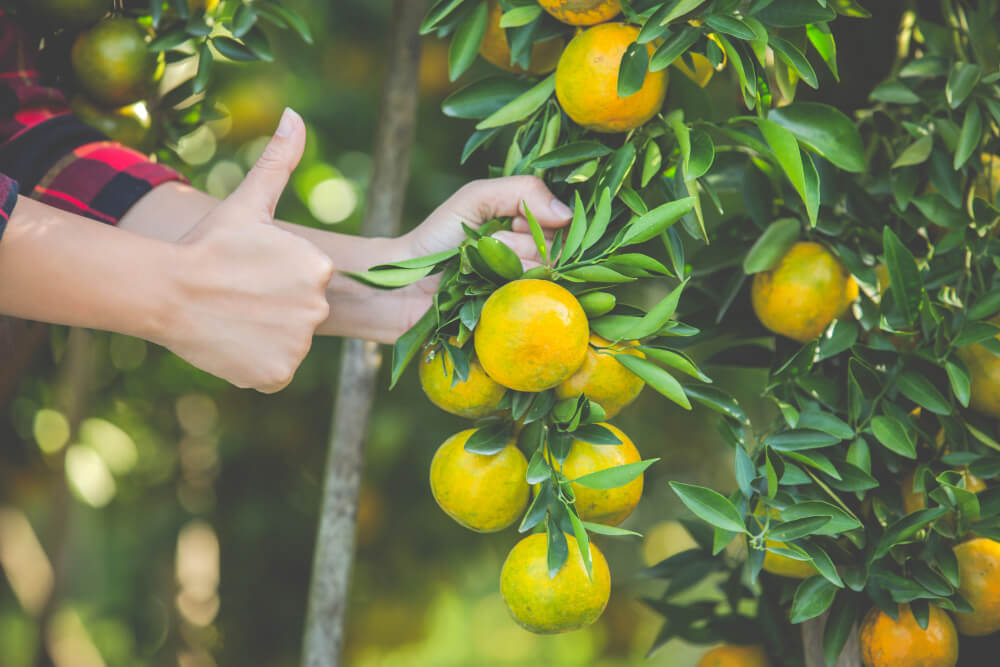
(904,183)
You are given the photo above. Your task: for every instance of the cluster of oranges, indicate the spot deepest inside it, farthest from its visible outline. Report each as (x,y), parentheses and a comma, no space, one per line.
(533,336)
(587,67)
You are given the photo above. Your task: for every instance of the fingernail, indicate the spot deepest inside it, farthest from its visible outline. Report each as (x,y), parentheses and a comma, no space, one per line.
(560,209)
(285,126)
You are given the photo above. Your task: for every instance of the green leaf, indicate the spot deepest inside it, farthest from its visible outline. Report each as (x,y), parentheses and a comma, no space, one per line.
(905,528)
(843,615)
(772,245)
(823,41)
(960,382)
(521,106)
(577,151)
(292,18)
(717,400)
(822,562)
(894,436)
(536,233)
(577,228)
(490,440)
(922,391)
(677,361)
(730,25)
(499,258)
(786,151)
(243,20)
(904,276)
(673,48)
(648,226)
(617,169)
(632,70)
(537,508)
(599,223)
(558,550)
(702,155)
(200,81)
(800,439)
(840,521)
(825,422)
(409,344)
(596,274)
(658,316)
(437,13)
(968,140)
(483,98)
(651,163)
(961,80)
(824,129)
(657,378)
(170,39)
(390,278)
(613,531)
(710,506)
(519,16)
(612,478)
(230,48)
(794,530)
(812,598)
(915,153)
(420,262)
(894,92)
(465,44)
(794,58)
(794,13)
(669,11)
(256,40)
(596,434)
(745,471)
(583,541)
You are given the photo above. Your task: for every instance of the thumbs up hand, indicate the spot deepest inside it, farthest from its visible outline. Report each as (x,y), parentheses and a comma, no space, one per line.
(248,296)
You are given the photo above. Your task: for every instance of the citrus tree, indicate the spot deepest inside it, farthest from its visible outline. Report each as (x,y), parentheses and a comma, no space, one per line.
(852,256)
(110,58)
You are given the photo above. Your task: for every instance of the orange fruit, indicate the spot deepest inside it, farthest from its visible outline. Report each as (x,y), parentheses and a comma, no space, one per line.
(129,125)
(851,293)
(665,539)
(888,643)
(484,493)
(547,605)
(802,295)
(476,397)
(582,12)
(496,50)
(979,583)
(69,13)
(113,64)
(984,371)
(732,655)
(587,81)
(607,506)
(603,379)
(532,335)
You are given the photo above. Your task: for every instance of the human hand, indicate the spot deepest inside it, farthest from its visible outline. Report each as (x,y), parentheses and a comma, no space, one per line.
(248,295)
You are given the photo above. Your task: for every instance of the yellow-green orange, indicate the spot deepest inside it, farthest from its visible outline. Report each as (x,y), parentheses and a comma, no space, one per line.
(476,397)
(129,125)
(802,295)
(532,335)
(546,605)
(984,371)
(607,506)
(485,493)
(603,379)
(733,655)
(979,583)
(496,50)
(113,64)
(582,12)
(587,81)
(903,643)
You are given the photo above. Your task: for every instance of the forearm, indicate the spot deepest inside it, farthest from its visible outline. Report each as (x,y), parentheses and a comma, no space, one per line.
(169,211)
(61,268)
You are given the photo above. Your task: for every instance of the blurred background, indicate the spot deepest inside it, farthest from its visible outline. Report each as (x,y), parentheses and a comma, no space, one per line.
(176,526)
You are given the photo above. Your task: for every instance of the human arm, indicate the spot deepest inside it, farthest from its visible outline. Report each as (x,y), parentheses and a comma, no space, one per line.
(364,312)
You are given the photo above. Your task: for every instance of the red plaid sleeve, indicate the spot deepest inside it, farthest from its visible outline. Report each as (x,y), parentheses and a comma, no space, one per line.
(56,158)
(8,197)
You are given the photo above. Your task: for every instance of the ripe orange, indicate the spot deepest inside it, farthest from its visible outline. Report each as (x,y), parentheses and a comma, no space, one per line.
(113,64)
(587,81)
(984,370)
(532,335)
(129,125)
(979,583)
(851,293)
(582,12)
(476,397)
(69,13)
(496,50)
(603,379)
(802,295)
(607,506)
(732,655)
(546,605)
(902,643)
(484,493)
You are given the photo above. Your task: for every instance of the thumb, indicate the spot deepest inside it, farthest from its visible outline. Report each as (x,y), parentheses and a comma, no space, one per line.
(262,187)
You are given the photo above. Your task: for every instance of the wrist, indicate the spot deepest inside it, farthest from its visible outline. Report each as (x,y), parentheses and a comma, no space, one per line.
(161,297)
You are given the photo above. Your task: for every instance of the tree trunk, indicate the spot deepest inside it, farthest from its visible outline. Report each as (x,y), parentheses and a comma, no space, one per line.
(812,640)
(334,554)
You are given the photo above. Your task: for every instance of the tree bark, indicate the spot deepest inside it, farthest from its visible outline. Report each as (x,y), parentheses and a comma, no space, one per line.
(360,360)
(812,641)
